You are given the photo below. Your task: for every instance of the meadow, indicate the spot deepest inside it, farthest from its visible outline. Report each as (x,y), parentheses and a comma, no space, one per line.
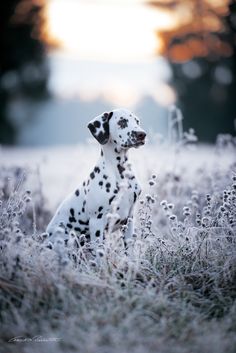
(174,291)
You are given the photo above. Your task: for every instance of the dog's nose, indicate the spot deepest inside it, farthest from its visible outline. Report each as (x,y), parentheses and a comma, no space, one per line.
(140,135)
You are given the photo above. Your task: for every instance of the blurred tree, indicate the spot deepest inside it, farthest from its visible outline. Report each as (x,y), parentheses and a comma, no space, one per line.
(23,67)
(202,52)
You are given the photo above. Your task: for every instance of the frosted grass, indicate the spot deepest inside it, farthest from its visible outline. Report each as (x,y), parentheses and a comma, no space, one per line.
(175,289)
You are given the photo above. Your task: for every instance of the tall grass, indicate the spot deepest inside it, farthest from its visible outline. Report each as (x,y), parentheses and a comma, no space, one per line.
(174,291)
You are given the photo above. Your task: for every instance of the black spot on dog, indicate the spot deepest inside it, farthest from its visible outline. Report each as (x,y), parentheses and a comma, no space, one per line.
(103,136)
(105,176)
(84,223)
(72,212)
(83,208)
(72,219)
(118,158)
(77,229)
(120,168)
(100,209)
(87,236)
(97,124)
(92,128)
(77,192)
(116,150)
(105,116)
(115,141)
(97,170)
(111,199)
(123,123)
(135,197)
(69,225)
(82,242)
(100,183)
(108,185)
(99,215)
(88,182)
(115,191)
(101,152)
(84,183)
(92,175)
(97,233)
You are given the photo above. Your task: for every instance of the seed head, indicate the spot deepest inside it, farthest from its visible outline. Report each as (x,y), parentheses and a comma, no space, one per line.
(152,182)
(187,214)
(100,252)
(163,203)
(173,217)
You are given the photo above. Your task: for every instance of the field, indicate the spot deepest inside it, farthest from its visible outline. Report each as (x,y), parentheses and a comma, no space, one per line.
(175,291)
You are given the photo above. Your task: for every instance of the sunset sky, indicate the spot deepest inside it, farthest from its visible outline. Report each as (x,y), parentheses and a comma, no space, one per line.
(117,31)
(108,50)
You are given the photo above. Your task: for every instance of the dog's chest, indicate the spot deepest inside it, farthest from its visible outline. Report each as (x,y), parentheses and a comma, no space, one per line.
(129,191)
(114,189)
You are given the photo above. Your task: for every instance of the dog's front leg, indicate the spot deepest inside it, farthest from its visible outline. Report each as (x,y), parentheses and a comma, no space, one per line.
(128,231)
(129,228)
(96,229)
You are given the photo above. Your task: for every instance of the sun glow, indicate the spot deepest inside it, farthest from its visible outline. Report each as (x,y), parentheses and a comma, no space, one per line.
(108,31)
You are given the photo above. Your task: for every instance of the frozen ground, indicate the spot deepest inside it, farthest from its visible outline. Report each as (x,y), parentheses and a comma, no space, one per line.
(174,292)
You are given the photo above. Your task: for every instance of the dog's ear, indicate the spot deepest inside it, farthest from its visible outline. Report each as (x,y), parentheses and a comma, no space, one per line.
(99,127)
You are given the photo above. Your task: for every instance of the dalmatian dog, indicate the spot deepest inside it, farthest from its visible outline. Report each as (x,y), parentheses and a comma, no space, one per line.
(85,210)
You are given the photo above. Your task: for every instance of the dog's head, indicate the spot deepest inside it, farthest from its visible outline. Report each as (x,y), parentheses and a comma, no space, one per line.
(120,127)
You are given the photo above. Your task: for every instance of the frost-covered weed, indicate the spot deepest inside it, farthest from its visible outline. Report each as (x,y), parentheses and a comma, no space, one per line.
(173,290)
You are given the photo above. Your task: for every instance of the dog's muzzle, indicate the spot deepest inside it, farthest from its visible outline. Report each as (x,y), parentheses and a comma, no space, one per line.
(138,138)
